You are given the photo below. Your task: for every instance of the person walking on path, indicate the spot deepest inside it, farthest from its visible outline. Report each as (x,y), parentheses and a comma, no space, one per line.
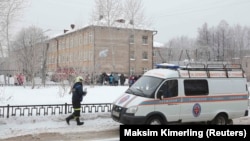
(77,96)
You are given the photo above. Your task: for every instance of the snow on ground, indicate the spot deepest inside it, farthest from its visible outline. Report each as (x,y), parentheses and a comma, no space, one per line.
(18,95)
(56,95)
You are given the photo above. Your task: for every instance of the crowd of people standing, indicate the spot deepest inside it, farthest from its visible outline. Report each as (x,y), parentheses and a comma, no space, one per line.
(115,79)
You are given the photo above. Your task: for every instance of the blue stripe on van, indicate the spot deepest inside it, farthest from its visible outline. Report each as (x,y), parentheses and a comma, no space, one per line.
(196,99)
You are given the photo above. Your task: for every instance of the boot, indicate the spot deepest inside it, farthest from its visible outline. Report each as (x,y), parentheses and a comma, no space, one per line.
(69,118)
(78,121)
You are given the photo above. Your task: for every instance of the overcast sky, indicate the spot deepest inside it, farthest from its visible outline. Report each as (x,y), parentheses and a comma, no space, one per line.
(171,18)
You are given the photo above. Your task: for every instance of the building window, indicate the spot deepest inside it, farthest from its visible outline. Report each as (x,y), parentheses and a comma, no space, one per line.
(85,37)
(90,37)
(154,53)
(155,63)
(67,43)
(81,39)
(71,42)
(144,40)
(60,59)
(132,55)
(90,55)
(81,55)
(62,43)
(131,39)
(144,55)
(144,70)
(75,38)
(132,71)
(84,56)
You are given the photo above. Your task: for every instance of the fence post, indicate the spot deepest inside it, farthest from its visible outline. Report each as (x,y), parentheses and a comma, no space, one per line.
(8,109)
(66,105)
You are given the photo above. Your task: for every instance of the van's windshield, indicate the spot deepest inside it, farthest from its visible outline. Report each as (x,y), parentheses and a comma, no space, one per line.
(145,86)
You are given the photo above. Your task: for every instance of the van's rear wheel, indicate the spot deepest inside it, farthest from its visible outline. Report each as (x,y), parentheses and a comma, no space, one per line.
(155,120)
(220,119)
(230,122)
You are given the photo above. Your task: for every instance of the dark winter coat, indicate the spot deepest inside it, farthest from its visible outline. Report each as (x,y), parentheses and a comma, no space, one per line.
(78,94)
(122,79)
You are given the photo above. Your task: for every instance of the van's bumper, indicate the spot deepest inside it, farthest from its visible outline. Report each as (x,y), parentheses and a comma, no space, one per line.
(131,119)
(119,114)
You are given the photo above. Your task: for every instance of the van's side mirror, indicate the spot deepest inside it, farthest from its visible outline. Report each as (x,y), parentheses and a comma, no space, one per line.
(160,94)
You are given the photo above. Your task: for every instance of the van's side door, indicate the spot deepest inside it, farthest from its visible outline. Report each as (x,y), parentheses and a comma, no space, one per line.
(168,100)
(194,106)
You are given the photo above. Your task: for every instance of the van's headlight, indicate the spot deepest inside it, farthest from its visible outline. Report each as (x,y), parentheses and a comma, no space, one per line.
(131,110)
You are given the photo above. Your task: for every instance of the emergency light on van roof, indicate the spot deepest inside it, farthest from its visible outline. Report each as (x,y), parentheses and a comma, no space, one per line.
(167,66)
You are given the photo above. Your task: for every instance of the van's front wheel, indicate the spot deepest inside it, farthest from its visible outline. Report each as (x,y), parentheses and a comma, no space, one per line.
(155,120)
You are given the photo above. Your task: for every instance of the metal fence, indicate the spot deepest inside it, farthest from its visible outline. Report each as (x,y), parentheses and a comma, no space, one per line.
(55,109)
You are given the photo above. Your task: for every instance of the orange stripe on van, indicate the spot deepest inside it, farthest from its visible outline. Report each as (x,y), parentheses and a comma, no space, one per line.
(190,99)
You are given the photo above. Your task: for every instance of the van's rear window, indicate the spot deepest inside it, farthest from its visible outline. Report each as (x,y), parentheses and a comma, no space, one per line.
(196,87)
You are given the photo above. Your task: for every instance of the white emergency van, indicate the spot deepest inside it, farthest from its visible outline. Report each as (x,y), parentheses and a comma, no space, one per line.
(169,94)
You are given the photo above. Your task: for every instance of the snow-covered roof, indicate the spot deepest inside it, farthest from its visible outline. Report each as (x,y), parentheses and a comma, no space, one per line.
(117,24)
(158,44)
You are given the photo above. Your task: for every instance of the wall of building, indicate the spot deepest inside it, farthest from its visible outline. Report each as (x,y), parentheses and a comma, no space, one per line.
(97,49)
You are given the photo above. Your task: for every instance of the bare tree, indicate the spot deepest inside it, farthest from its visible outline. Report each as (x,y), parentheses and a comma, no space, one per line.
(28,46)
(204,41)
(223,33)
(248,38)
(222,42)
(213,44)
(134,13)
(45,48)
(113,12)
(107,12)
(9,11)
(180,49)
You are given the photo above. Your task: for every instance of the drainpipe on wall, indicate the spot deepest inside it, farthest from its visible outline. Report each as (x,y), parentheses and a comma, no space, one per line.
(57,54)
(94,52)
(154,33)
